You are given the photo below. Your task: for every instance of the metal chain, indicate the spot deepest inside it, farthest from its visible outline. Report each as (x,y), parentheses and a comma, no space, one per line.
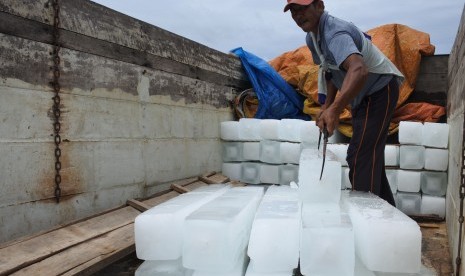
(458,260)
(56,99)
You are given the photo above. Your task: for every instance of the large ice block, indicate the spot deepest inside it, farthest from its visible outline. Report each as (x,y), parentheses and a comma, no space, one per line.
(269,129)
(232,170)
(327,241)
(251,272)
(270,151)
(309,133)
(232,151)
(361,270)
(409,203)
(408,181)
(216,234)
(424,271)
(249,129)
(345,179)
(311,188)
(229,131)
(250,172)
(238,270)
(251,151)
(436,159)
(433,205)
(410,133)
(340,150)
(288,173)
(290,153)
(269,174)
(392,177)
(386,240)
(162,268)
(434,183)
(435,135)
(391,155)
(289,130)
(158,231)
(274,239)
(412,157)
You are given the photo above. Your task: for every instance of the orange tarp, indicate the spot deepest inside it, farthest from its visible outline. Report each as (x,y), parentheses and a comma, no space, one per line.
(404,46)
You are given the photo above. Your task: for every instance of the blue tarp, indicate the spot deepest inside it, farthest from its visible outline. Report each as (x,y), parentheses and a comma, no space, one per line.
(276,98)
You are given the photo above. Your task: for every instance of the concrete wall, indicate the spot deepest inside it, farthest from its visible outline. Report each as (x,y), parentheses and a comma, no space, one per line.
(455,117)
(141,107)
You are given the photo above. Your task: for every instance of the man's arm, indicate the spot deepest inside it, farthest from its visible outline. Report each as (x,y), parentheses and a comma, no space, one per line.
(354,81)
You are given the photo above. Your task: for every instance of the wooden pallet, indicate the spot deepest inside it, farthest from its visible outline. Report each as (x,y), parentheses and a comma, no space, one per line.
(86,246)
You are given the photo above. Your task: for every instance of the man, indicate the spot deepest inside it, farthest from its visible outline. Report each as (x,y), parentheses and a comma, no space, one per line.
(366,80)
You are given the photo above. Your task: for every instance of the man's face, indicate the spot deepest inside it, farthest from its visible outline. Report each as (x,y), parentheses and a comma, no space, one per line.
(306,17)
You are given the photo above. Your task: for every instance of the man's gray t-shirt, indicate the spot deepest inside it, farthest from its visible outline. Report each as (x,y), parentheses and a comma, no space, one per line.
(341,39)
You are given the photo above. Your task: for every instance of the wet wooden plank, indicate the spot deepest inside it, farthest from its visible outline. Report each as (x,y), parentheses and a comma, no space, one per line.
(22,254)
(86,258)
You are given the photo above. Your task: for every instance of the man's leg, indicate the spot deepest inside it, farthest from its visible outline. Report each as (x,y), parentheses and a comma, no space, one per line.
(365,155)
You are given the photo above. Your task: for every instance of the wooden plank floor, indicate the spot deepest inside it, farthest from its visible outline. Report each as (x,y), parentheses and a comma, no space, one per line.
(435,248)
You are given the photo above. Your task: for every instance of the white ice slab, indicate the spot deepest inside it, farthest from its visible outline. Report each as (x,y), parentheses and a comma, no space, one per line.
(251,151)
(410,133)
(412,157)
(433,205)
(311,188)
(309,133)
(290,152)
(274,239)
(269,174)
(289,130)
(435,135)
(340,150)
(409,203)
(436,159)
(232,151)
(158,231)
(424,271)
(251,272)
(250,172)
(229,131)
(288,173)
(361,270)
(408,181)
(434,183)
(249,129)
(345,179)
(385,239)
(391,155)
(327,239)
(392,177)
(216,234)
(270,152)
(232,170)
(269,129)
(162,268)
(238,270)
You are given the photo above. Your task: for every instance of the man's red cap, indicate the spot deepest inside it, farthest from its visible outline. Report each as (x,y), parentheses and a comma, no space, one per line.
(298,2)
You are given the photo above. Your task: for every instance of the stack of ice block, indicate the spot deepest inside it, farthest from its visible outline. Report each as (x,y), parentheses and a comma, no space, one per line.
(386,240)
(274,239)
(265,151)
(159,230)
(422,177)
(216,235)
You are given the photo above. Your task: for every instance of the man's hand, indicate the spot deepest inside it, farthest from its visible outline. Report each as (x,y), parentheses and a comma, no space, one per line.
(328,118)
